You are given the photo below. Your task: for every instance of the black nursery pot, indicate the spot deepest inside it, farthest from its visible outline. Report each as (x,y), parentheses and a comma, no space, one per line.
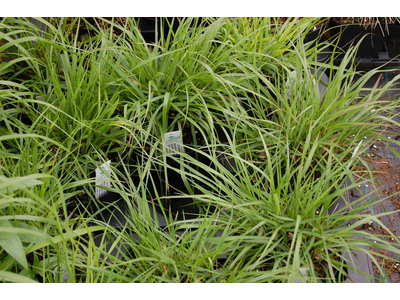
(370,46)
(184,206)
(148,27)
(392,40)
(168,182)
(316,36)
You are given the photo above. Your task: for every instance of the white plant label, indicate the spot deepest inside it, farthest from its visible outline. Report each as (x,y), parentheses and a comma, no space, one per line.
(354,154)
(65,276)
(289,82)
(303,273)
(102,179)
(173,142)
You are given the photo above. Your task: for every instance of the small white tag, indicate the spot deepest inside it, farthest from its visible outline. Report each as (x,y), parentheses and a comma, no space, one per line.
(354,154)
(173,142)
(102,179)
(289,82)
(303,273)
(65,276)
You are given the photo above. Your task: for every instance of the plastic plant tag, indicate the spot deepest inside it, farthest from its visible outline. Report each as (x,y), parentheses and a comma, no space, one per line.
(301,273)
(65,276)
(289,82)
(102,179)
(173,142)
(321,79)
(354,153)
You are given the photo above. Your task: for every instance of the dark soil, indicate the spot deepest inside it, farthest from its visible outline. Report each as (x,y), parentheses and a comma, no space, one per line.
(322,269)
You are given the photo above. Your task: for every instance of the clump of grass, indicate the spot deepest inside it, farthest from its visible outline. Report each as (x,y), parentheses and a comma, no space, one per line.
(107,97)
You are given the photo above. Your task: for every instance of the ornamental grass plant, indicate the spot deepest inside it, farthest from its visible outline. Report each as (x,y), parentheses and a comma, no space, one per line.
(69,104)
